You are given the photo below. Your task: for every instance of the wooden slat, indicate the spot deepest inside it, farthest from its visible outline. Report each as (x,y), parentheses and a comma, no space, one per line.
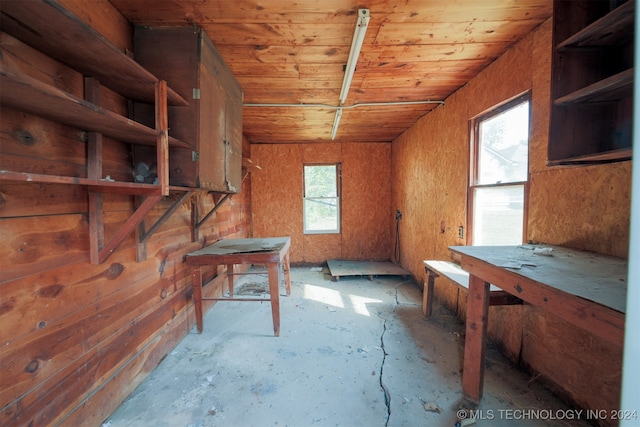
(53,30)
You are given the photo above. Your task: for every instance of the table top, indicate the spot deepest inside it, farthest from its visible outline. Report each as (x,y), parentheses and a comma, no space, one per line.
(595,277)
(227,251)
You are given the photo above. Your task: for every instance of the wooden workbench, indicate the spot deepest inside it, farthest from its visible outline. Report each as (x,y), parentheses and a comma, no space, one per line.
(585,289)
(272,252)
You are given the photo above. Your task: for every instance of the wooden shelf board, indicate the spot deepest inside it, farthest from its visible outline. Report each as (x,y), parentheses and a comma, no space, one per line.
(610,89)
(50,28)
(100,186)
(32,96)
(604,157)
(606,31)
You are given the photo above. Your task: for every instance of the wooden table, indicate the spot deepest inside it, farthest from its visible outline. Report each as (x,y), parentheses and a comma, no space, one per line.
(585,289)
(273,252)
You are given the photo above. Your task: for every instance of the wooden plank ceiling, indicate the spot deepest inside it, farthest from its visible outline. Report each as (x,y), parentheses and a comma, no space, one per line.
(285,52)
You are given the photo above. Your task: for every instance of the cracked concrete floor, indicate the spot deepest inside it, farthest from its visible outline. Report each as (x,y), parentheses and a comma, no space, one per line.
(356,352)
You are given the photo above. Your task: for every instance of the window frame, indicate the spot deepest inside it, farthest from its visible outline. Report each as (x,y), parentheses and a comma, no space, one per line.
(474,132)
(338,197)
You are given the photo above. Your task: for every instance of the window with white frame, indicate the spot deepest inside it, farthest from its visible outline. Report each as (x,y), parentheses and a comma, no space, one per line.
(321,199)
(499,174)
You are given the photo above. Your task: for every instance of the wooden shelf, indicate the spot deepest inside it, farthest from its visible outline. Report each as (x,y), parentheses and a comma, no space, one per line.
(592,79)
(606,31)
(32,96)
(98,186)
(604,157)
(47,26)
(607,90)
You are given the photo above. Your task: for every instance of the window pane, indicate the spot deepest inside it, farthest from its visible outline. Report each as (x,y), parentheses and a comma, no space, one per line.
(320,181)
(503,146)
(498,215)
(321,215)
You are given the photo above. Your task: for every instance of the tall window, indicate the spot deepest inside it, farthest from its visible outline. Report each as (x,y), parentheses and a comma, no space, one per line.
(499,174)
(321,199)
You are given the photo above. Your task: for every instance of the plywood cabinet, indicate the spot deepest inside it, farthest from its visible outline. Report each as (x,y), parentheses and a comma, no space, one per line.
(592,81)
(211,124)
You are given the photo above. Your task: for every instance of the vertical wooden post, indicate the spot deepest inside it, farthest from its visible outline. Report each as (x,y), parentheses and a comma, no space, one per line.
(427,293)
(230,279)
(141,229)
(196,279)
(475,339)
(287,273)
(274,295)
(162,126)
(94,171)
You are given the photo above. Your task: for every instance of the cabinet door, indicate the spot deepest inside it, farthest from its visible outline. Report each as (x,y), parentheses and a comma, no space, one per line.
(220,123)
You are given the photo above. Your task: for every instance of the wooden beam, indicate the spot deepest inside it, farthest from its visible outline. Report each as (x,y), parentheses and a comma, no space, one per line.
(162,126)
(94,171)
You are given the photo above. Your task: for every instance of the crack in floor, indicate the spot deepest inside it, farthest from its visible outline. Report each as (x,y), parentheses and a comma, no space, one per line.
(387,395)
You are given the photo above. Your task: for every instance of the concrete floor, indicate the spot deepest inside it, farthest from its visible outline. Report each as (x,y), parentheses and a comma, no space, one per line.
(356,352)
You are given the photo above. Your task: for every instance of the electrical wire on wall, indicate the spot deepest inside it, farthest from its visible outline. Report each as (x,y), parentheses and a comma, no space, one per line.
(397,248)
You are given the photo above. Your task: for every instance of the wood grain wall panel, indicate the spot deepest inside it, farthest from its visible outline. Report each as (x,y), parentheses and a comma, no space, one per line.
(365,201)
(277,199)
(78,337)
(582,207)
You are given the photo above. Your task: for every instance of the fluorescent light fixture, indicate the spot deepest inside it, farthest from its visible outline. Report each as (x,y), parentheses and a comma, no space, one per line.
(356,45)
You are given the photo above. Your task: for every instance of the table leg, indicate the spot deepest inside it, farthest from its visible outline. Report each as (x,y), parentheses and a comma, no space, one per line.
(196,279)
(475,339)
(287,273)
(274,295)
(230,278)
(427,294)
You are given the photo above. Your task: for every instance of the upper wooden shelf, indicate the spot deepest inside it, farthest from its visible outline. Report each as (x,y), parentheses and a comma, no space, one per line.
(55,31)
(606,31)
(32,96)
(602,157)
(610,89)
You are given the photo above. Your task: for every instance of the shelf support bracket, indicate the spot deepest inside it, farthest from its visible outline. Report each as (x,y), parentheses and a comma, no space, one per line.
(142,235)
(129,226)
(196,223)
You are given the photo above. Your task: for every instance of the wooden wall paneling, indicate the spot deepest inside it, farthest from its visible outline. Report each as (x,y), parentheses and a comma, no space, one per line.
(79,336)
(41,243)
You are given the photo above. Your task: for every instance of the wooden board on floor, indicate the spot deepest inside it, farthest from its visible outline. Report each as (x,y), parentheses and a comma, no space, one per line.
(338,268)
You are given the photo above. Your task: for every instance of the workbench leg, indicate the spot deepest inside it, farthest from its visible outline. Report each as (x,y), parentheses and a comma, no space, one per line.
(475,339)
(427,294)
(196,279)
(287,273)
(274,294)
(230,278)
